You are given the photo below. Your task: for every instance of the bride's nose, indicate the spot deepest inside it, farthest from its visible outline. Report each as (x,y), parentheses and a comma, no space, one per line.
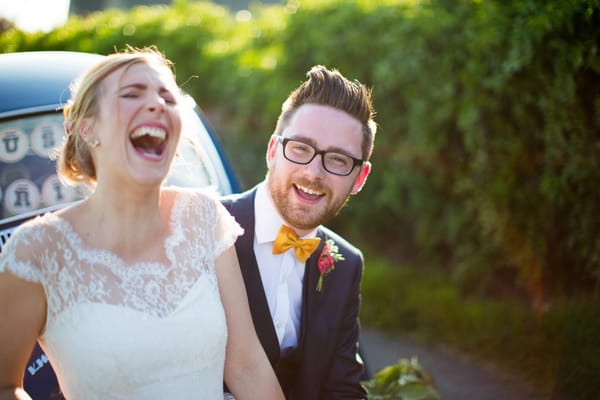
(156,103)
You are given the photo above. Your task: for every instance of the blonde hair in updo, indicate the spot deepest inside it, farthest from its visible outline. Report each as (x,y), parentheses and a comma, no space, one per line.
(75,163)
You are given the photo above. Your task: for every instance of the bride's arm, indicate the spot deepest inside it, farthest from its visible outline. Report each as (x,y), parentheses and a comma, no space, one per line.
(14,394)
(248,373)
(22,312)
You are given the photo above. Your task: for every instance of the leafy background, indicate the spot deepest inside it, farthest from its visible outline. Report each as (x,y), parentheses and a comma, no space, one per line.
(483,207)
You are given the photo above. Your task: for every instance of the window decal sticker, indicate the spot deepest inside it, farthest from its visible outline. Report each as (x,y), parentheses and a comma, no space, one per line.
(13,145)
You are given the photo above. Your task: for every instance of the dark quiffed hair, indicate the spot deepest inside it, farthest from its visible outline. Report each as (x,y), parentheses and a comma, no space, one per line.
(331,88)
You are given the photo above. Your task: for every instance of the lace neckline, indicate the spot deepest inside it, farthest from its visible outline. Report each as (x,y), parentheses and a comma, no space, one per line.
(87,251)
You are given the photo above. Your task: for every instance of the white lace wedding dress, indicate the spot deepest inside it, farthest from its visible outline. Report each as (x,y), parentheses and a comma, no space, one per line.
(140,331)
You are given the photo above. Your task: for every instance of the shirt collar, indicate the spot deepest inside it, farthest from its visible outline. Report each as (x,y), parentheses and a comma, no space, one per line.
(267,219)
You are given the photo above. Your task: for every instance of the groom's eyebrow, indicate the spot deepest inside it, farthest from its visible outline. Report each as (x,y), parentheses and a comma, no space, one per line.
(312,142)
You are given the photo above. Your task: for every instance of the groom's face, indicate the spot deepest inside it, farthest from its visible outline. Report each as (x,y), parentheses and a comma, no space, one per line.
(308,195)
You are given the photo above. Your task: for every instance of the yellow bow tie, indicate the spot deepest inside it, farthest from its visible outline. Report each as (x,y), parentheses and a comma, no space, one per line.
(286,239)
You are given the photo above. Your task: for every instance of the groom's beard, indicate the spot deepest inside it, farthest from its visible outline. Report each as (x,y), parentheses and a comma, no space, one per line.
(304,216)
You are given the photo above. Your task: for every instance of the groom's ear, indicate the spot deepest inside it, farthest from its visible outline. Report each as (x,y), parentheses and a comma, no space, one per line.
(271,149)
(360,180)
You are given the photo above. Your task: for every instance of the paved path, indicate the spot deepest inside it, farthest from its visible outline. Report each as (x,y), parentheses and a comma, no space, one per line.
(457,378)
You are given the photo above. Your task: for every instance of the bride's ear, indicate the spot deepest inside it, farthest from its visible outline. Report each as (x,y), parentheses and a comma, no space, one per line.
(86,130)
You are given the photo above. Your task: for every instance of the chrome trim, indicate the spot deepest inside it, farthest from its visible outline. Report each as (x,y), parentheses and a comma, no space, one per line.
(21,112)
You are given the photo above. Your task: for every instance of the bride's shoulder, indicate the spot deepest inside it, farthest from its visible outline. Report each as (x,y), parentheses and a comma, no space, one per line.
(192,198)
(39,224)
(34,235)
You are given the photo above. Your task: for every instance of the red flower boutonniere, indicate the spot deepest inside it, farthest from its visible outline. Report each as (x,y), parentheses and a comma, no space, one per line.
(327,259)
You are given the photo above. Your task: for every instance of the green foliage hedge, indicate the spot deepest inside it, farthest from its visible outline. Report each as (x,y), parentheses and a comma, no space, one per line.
(487,157)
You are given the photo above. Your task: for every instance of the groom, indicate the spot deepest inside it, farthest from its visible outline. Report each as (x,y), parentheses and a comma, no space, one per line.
(304,293)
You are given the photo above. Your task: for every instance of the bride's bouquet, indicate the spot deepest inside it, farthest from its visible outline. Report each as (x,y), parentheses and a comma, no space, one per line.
(406,380)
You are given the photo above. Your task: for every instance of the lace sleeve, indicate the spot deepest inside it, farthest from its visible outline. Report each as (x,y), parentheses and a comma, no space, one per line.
(228,229)
(16,255)
(206,223)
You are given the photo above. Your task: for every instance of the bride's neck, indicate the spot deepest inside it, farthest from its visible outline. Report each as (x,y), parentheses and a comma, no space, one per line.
(134,228)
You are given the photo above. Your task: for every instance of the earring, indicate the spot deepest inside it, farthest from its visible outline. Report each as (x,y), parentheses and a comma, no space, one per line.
(94,143)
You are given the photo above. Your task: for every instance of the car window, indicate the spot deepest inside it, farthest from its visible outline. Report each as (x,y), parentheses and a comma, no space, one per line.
(191,166)
(28,179)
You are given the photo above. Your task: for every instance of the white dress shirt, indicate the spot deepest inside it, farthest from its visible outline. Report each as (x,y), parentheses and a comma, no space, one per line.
(282,274)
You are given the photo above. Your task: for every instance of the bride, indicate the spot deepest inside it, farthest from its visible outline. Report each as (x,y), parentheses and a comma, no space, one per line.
(135,292)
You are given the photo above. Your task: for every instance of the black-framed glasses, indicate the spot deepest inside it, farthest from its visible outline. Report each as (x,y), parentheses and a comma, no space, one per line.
(302,153)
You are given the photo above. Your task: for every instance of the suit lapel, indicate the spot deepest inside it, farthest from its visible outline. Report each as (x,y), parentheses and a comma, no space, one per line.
(243,211)
(311,298)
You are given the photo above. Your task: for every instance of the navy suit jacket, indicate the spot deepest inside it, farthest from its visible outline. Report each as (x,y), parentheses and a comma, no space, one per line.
(326,366)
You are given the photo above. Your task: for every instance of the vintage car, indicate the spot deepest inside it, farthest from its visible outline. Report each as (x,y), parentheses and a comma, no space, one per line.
(34,87)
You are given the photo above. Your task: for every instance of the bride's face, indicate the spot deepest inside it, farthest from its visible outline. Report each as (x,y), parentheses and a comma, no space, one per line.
(138,124)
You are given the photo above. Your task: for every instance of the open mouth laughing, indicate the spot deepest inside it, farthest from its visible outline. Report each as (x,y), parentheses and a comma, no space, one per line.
(149,141)
(307,193)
